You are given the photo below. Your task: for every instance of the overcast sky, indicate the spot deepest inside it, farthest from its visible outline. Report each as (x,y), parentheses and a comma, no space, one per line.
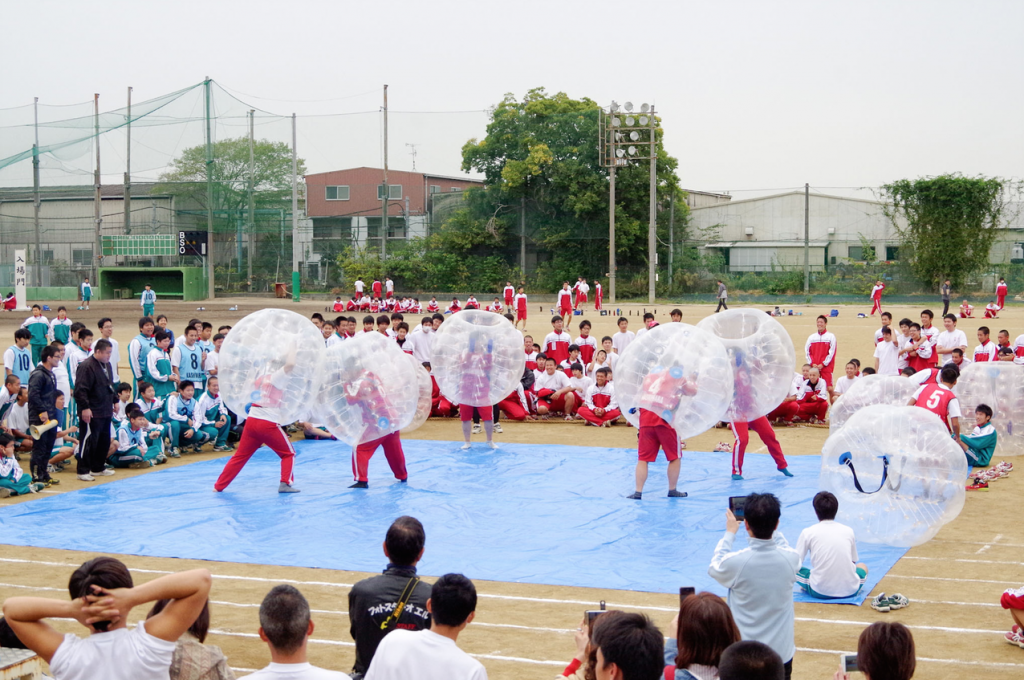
(753,94)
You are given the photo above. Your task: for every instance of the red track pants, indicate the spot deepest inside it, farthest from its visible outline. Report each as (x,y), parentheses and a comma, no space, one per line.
(764,429)
(362,454)
(877,306)
(589,416)
(787,410)
(259,432)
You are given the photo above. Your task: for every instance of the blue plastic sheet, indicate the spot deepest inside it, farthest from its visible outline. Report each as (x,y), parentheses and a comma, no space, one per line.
(523,513)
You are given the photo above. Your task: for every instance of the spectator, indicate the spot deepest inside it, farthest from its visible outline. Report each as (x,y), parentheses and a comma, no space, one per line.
(432,652)
(372,602)
(582,665)
(834,571)
(704,629)
(194,660)
(760,579)
(95,397)
(628,647)
(285,626)
(102,592)
(885,651)
(750,660)
(1012,599)
(42,407)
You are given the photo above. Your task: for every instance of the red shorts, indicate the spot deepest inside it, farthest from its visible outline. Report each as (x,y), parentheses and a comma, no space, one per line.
(581,298)
(556,404)
(1012,600)
(566,306)
(655,433)
(466,412)
(520,315)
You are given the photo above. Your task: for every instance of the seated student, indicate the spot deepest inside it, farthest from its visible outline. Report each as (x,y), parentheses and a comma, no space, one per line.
(181,415)
(991,310)
(834,572)
(212,416)
(454,307)
(884,650)
(599,406)
(150,404)
(374,305)
(580,383)
(471,302)
(812,398)
(531,352)
(103,593)
(554,392)
(845,382)
(1013,599)
(17,421)
(339,306)
(704,629)
(64,445)
(364,303)
(432,306)
(751,660)
(13,480)
(966,310)
(137,446)
(496,306)
(959,360)
(516,406)
(574,358)
(10,302)
(194,660)
(1005,354)
(351,305)
(980,444)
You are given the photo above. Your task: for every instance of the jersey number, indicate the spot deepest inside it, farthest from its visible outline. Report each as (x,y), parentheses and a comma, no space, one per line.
(26,362)
(195,362)
(933,400)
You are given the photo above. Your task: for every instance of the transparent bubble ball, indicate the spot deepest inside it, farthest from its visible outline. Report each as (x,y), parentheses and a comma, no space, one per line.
(761,355)
(677,371)
(867,390)
(272,358)
(369,389)
(999,384)
(426,388)
(477,358)
(924,486)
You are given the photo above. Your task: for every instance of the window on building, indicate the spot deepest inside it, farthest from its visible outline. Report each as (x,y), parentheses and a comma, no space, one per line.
(394,192)
(455,189)
(856,253)
(47,257)
(81,257)
(435,188)
(892,253)
(336,193)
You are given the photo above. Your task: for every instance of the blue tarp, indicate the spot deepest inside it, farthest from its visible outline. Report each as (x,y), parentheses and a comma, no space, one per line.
(525,513)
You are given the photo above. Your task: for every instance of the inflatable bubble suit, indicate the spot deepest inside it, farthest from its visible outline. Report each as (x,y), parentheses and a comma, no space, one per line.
(762,358)
(678,372)
(477,358)
(272,358)
(1001,386)
(894,390)
(369,389)
(897,474)
(426,389)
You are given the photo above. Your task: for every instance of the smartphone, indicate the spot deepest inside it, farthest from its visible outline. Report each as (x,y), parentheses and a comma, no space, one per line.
(592,615)
(685,593)
(848,663)
(736,504)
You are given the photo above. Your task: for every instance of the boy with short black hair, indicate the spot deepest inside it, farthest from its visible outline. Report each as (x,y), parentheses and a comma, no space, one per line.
(39,327)
(980,444)
(211,416)
(834,572)
(368,324)
(135,443)
(181,412)
(621,340)
(13,480)
(556,343)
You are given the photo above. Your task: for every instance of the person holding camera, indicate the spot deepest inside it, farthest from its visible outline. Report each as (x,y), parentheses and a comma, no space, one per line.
(884,650)
(704,630)
(95,397)
(760,579)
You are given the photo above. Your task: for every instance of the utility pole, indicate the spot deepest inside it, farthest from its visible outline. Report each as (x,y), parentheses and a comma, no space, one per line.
(99,186)
(252,211)
(128,170)
(611,233)
(652,226)
(209,191)
(37,271)
(386,193)
(522,236)
(807,232)
(671,234)
(296,245)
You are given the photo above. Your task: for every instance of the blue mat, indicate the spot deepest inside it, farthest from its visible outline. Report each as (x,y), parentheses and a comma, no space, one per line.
(524,513)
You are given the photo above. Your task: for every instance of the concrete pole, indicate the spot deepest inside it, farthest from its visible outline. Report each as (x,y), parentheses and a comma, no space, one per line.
(652,225)
(522,236)
(128,170)
(384,199)
(252,212)
(671,234)
(209,192)
(807,231)
(611,230)
(37,270)
(296,245)
(98,181)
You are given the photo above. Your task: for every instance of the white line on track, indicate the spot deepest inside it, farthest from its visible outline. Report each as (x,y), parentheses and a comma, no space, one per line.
(961,559)
(811,650)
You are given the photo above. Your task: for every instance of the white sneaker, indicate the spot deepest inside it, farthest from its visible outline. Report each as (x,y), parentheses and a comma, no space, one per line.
(492,445)
(497,428)
(86,478)
(106,473)
(465,447)
(476,428)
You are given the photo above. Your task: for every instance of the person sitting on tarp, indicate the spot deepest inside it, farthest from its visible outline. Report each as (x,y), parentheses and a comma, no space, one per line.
(980,444)
(10,303)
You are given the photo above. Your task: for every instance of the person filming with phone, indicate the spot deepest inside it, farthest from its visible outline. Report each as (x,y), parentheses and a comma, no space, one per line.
(760,579)
(884,650)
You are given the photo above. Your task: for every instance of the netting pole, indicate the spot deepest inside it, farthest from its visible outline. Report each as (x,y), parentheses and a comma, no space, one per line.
(99,192)
(296,245)
(252,213)
(128,171)
(386,195)
(209,191)
(37,271)
(652,227)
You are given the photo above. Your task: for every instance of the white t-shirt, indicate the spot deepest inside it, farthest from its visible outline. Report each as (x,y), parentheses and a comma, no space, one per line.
(212,362)
(620,341)
(556,381)
(950,340)
(887,355)
(433,656)
(118,655)
(843,384)
(296,671)
(833,550)
(17,417)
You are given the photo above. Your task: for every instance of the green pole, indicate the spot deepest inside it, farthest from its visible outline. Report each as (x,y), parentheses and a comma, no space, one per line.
(209,193)
(295,286)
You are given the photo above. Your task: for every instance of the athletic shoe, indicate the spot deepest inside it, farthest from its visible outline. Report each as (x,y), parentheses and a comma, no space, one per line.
(636,495)
(108,472)
(672,493)
(1004,465)
(737,478)
(497,428)
(86,478)
(1015,637)
(476,428)
(197,448)
(6,493)
(723,447)
(51,469)
(35,487)
(139,464)
(977,484)
(286,488)
(786,471)
(880,603)
(897,601)
(357,485)
(492,445)
(222,447)
(465,447)
(161,459)
(175,452)
(50,482)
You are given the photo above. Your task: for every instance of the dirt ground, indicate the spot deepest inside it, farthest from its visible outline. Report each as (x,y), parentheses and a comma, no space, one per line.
(525,631)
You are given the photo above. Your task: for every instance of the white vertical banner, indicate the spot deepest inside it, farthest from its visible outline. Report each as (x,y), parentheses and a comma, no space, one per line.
(20,279)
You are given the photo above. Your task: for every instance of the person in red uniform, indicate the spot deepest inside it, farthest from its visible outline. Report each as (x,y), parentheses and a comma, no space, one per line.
(1001,293)
(262,428)
(599,405)
(565,302)
(476,384)
(509,293)
(662,390)
(378,289)
(586,342)
(598,295)
(940,400)
(820,350)
(743,403)
(986,351)
(377,414)
(876,297)
(520,303)
(812,398)
(556,343)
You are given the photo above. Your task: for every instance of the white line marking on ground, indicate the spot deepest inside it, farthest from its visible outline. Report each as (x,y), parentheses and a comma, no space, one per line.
(961,559)
(944,629)
(982,549)
(921,658)
(1001,545)
(944,578)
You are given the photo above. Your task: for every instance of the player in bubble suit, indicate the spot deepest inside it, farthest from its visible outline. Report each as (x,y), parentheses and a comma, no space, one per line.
(662,390)
(476,383)
(364,388)
(261,428)
(743,401)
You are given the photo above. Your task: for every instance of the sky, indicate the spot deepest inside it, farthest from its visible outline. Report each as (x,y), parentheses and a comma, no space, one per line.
(754,95)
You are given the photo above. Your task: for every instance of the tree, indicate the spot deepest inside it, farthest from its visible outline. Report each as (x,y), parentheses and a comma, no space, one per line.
(950,222)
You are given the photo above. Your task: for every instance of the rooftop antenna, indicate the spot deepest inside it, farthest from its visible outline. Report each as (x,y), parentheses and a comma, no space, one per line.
(412,153)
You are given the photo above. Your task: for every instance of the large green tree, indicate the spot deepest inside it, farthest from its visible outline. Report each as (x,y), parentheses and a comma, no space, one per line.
(947,224)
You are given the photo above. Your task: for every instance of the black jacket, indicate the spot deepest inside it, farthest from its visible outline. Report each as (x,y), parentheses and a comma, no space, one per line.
(94,388)
(371,601)
(42,394)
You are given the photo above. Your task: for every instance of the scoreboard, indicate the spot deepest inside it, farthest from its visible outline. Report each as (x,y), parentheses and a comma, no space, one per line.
(192,243)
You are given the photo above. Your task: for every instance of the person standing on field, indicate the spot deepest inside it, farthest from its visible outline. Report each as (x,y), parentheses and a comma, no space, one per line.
(723,296)
(945,297)
(1001,293)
